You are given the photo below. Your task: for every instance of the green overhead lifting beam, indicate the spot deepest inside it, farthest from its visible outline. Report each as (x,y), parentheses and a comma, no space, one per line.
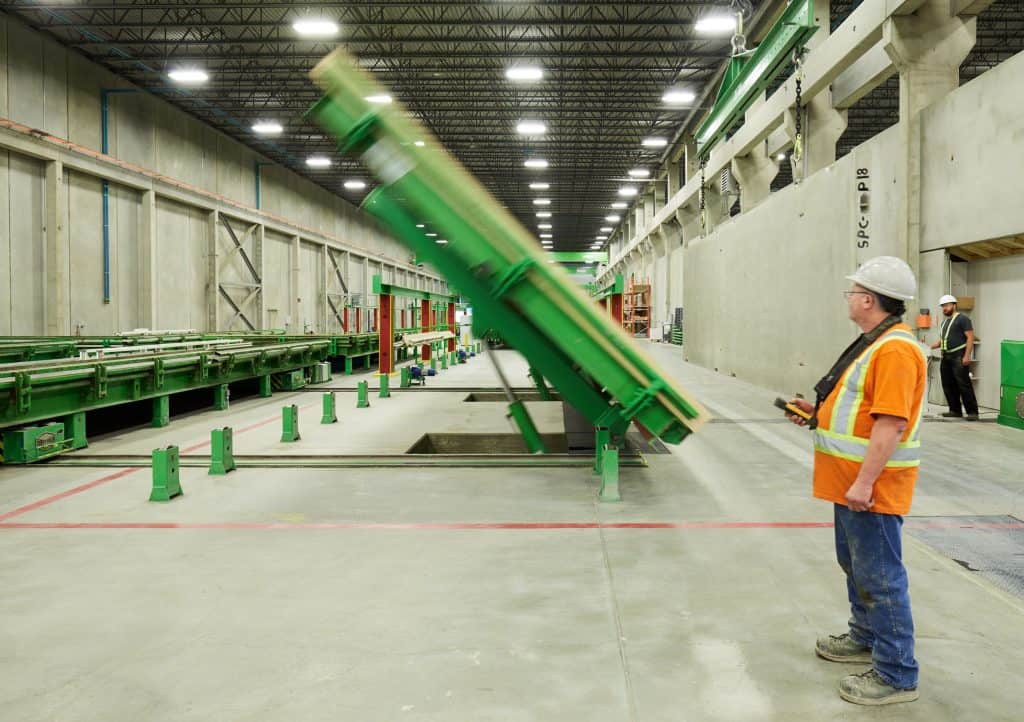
(379,287)
(495,264)
(750,74)
(617,286)
(578,256)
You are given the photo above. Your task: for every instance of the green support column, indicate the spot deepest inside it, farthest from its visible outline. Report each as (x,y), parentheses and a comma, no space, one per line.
(166,484)
(220,397)
(406,381)
(290,423)
(222,455)
(348,365)
(517,411)
(266,389)
(363,395)
(610,474)
(161,411)
(603,438)
(444,362)
(433,362)
(454,358)
(74,430)
(385,386)
(330,415)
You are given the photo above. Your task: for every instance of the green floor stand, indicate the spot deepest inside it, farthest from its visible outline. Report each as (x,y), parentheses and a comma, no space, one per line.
(290,423)
(74,430)
(444,362)
(363,395)
(385,386)
(221,396)
(348,365)
(161,411)
(610,474)
(433,362)
(266,387)
(166,484)
(222,455)
(453,358)
(406,381)
(602,438)
(330,415)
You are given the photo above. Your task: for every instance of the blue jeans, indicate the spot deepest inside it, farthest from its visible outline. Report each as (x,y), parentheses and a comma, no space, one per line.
(870,550)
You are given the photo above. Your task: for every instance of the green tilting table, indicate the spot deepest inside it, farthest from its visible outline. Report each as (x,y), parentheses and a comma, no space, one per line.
(496,263)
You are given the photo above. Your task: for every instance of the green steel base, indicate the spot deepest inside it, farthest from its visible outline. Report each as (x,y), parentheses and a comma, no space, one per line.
(297,461)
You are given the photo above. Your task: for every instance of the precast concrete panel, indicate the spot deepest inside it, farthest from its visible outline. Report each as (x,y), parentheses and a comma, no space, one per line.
(84,84)
(55,88)
(26,196)
(25,78)
(312,285)
(4,68)
(125,206)
(132,128)
(997,285)
(181,252)
(277,279)
(6,266)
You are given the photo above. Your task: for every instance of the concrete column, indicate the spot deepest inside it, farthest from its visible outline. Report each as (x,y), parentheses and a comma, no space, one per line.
(325,307)
(692,161)
(295,299)
(823,124)
(755,173)
(213,319)
(58,253)
(927,49)
(149,295)
(672,179)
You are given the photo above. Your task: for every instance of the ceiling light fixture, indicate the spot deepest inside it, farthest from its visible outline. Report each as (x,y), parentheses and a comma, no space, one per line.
(315,27)
(678,97)
(420,225)
(419,143)
(539,186)
(601,238)
(188,76)
(654,142)
(318,161)
(545,235)
(715,25)
(628,191)
(544,214)
(606,229)
(536,163)
(441,241)
(639,173)
(620,205)
(267,127)
(531,127)
(780,156)
(378,99)
(355,185)
(524,73)
(544,226)
(613,218)
(542,201)
(431,235)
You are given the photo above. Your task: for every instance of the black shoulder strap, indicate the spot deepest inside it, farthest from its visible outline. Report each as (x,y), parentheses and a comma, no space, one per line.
(828,382)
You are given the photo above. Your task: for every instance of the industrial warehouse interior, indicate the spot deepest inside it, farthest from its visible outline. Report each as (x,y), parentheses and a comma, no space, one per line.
(512,361)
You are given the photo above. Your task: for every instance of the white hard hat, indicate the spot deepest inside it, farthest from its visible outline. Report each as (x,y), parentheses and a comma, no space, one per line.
(888,276)
(947,299)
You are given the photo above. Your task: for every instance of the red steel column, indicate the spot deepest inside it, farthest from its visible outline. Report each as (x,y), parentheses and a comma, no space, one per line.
(359,320)
(617,308)
(424,324)
(386,341)
(344,319)
(451,327)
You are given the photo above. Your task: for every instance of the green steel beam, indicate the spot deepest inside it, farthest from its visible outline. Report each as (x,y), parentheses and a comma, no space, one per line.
(617,286)
(578,256)
(494,262)
(379,287)
(749,75)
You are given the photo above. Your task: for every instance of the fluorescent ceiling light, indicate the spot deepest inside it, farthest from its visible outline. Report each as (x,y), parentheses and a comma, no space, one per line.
(780,156)
(378,99)
(531,127)
(539,186)
(678,97)
(544,226)
(716,24)
(544,214)
(524,72)
(318,161)
(536,163)
(355,185)
(639,173)
(188,76)
(315,27)
(606,229)
(654,142)
(542,201)
(545,235)
(419,143)
(267,127)
(628,191)
(620,205)
(601,238)
(613,218)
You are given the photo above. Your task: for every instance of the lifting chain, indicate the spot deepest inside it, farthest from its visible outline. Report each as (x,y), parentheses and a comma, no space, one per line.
(703,203)
(798,140)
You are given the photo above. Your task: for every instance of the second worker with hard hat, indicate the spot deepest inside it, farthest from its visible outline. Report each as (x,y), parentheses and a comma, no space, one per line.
(956,342)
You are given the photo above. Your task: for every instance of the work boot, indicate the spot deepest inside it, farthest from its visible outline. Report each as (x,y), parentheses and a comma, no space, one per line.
(971,417)
(868,688)
(951,415)
(841,649)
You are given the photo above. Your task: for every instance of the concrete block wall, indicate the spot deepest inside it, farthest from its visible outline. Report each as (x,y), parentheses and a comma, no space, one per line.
(46,87)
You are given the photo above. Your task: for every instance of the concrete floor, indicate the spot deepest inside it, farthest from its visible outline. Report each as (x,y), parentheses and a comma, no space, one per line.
(356,595)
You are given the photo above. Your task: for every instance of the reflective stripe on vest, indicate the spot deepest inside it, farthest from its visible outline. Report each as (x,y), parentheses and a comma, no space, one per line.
(839,440)
(945,335)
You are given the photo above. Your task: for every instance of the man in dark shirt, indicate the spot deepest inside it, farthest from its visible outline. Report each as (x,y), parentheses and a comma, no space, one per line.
(956,339)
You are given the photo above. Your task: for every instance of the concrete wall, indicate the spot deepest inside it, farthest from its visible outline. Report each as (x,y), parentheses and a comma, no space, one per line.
(997,285)
(46,87)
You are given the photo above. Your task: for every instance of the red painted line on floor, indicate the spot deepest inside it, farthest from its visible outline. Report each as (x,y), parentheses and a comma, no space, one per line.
(422,526)
(118,474)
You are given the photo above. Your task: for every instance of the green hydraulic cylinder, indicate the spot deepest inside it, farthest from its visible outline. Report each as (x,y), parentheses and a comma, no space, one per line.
(330,415)
(221,396)
(444,361)
(161,411)
(602,439)
(222,455)
(433,362)
(266,387)
(538,381)
(166,483)
(74,431)
(610,474)
(406,381)
(453,358)
(518,413)
(385,387)
(363,395)
(290,423)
